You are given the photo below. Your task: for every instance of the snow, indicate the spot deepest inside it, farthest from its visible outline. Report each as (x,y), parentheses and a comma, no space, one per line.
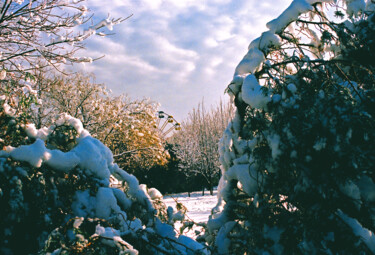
(244,159)
(198,210)
(83,204)
(366,235)
(198,206)
(292,88)
(367,188)
(250,62)
(106,232)
(106,202)
(266,41)
(370,6)
(320,144)
(135,190)
(217,221)
(9,110)
(78,222)
(355,7)
(32,132)
(321,94)
(276,98)
(65,119)
(164,229)
(111,233)
(89,154)
(94,157)
(295,9)
(37,153)
(246,175)
(235,85)
(122,199)
(61,161)
(223,242)
(189,245)
(274,143)
(154,194)
(351,190)
(27,90)
(3,74)
(252,93)
(33,154)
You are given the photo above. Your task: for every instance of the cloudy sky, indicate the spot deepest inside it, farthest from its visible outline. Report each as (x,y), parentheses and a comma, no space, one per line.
(176,52)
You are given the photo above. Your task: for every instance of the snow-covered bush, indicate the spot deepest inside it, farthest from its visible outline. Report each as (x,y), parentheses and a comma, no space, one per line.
(298,158)
(61,200)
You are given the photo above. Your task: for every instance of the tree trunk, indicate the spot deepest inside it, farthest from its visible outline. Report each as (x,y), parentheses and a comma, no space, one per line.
(210,185)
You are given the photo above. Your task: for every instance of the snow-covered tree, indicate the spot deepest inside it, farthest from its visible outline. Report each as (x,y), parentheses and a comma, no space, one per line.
(35,35)
(39,33)
(197,142)
(298,158)
(126,126)
(59,199)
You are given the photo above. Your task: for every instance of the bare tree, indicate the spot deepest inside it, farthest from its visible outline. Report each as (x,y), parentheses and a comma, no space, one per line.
(197,143)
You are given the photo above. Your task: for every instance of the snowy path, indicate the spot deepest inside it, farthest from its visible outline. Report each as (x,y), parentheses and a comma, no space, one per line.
(198,206)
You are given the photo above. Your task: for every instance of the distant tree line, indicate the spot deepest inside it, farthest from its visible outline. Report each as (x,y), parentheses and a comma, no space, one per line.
(194,157)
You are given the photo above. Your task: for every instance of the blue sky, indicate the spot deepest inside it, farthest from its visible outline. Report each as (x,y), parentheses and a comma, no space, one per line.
(176,51)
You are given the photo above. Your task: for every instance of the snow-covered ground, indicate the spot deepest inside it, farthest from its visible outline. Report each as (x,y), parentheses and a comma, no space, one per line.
(198,206)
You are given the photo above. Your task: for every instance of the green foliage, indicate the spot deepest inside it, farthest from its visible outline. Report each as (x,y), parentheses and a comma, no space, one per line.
(78,236)
(63,138)
(35,201)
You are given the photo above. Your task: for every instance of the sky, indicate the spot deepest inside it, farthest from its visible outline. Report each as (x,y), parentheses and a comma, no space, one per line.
(176,52)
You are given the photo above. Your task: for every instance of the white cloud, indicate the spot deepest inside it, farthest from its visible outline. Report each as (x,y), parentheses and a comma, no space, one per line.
(177,52)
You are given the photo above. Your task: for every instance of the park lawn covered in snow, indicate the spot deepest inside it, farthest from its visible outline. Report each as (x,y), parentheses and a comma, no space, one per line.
(198,206)
(198,209)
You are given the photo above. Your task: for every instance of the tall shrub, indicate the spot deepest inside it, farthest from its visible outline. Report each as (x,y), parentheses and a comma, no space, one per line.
(298,157)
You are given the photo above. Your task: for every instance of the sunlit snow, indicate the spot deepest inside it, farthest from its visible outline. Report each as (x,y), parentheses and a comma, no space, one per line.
(198,206)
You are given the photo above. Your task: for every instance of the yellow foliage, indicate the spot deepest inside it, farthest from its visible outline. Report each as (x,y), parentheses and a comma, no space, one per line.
(124,125)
